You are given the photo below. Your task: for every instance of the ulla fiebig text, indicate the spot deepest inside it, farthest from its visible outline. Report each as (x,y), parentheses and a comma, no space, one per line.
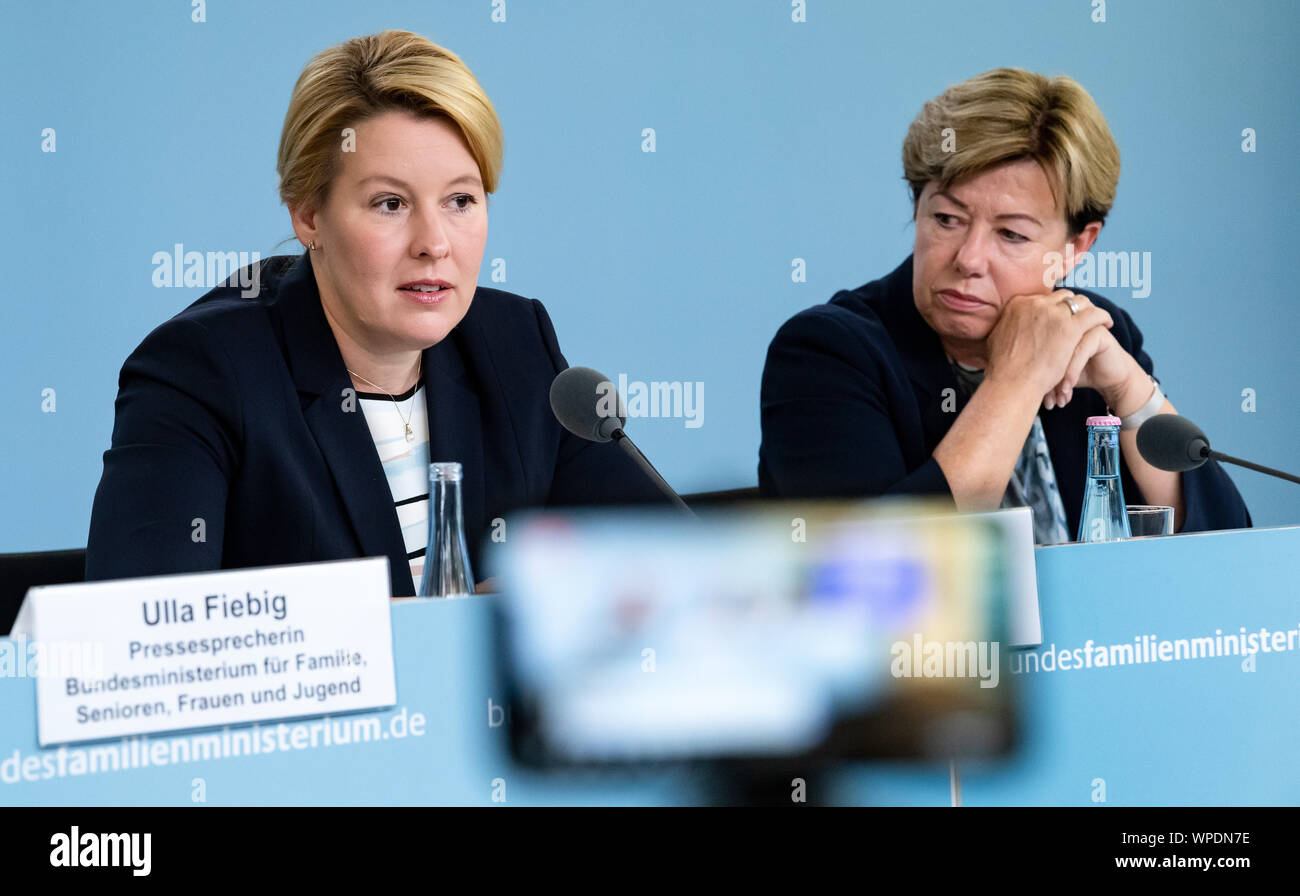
(215,606)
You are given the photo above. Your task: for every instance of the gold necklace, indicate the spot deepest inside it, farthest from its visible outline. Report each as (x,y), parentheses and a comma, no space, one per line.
(406,421)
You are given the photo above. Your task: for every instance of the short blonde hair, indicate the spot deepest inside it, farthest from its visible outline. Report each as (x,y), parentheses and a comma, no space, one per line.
(365,76)
(1008,114)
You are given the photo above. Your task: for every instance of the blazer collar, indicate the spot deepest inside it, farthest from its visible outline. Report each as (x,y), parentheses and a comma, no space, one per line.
(339,426)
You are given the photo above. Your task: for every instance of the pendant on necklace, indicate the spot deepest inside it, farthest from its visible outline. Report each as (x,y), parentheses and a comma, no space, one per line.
(410,435)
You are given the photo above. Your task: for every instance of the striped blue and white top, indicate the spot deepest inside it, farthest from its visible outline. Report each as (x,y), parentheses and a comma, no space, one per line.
(406,464)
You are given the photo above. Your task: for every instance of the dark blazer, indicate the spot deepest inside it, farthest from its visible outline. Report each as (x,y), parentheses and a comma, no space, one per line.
(233,412)
(853,401)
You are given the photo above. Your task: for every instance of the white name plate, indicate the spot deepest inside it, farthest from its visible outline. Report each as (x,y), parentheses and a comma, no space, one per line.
(167,653)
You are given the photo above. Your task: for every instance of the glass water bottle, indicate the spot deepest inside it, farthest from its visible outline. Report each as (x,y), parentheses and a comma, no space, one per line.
(446,562)
(1103,517)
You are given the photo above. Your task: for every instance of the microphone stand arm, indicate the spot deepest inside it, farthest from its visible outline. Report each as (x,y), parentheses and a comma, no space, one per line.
(1229,459)
(635,453)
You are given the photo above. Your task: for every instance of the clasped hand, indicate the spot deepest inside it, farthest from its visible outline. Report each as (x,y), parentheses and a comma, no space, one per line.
(1038,341)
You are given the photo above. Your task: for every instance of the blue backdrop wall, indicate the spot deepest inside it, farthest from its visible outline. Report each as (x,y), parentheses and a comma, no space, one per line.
(776,149)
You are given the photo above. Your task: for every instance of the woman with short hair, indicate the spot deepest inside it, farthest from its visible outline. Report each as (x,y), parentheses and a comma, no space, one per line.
(967,372)
(297,424)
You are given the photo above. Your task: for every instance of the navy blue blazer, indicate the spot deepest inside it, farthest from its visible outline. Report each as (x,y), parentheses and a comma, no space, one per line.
(853,399)
(232,412)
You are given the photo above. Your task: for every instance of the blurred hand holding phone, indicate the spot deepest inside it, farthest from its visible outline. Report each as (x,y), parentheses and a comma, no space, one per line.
(819,630)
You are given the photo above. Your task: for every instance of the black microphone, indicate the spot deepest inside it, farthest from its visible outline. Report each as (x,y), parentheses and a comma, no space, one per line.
(587,405)
(1174,443)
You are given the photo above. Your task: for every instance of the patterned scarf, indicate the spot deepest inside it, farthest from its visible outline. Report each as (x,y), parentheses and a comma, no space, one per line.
(1033,481)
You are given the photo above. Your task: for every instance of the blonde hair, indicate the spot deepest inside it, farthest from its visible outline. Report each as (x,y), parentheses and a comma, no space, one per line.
(1008,114)
(363,77)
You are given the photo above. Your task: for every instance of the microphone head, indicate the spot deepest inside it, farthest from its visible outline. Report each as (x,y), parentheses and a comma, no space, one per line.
(1173,443)
(587,404)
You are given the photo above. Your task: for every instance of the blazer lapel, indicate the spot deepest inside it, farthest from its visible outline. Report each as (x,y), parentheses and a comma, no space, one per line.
(455,420)
(338,423)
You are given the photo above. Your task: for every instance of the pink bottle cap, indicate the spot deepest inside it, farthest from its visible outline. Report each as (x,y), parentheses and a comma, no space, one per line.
(1103,421)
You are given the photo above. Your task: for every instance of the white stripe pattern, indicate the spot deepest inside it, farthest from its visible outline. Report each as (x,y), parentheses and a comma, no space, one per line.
(406,464)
